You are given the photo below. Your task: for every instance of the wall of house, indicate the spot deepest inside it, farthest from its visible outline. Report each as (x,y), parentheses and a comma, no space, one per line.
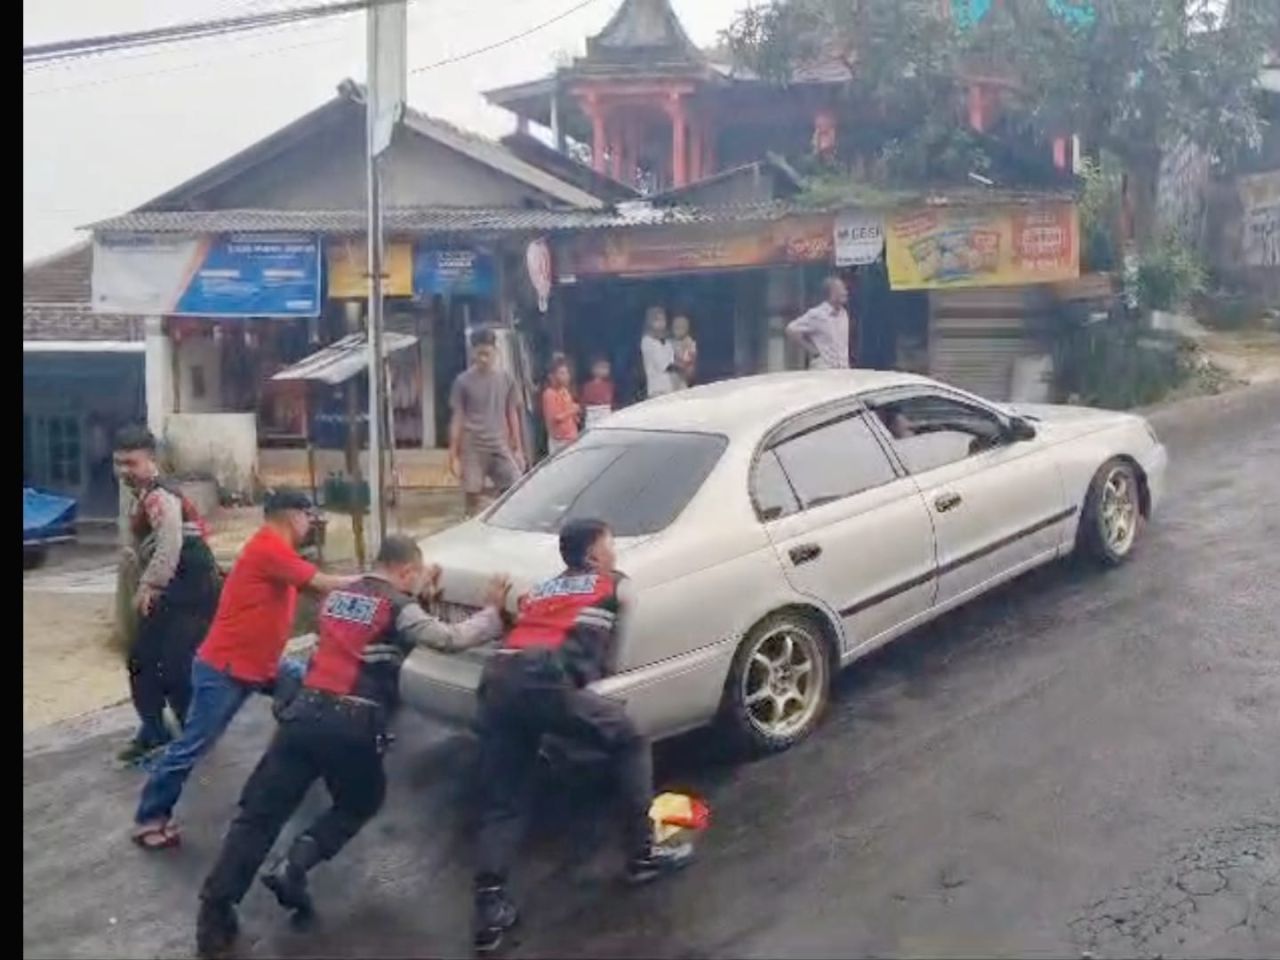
(221,445)
(327,173)
(199,375)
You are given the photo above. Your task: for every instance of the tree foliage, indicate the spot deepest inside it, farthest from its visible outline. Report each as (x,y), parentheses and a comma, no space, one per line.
(1132,77)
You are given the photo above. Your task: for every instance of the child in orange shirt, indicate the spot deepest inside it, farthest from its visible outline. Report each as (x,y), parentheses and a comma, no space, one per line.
(559,409)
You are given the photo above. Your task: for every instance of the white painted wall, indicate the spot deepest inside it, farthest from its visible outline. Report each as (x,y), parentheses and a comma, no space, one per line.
(203,354)
(223,445)
(158,375)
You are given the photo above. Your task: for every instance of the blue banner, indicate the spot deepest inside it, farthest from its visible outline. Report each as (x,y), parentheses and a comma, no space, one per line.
(453,273)
(255,275)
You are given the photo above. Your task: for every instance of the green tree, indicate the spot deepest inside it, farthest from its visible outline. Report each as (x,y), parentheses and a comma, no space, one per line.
(1131,77)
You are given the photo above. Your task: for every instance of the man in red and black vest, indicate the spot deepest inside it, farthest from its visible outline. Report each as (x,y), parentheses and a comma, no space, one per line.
(177,592)
(334,729)
(564,639)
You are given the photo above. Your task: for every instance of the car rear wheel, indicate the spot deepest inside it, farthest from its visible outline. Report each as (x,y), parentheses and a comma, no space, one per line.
(1112,517)
(780,683)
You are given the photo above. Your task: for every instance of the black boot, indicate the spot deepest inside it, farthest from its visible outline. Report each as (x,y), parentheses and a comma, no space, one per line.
(658,861)
(288,880)
(495,915)
(216,929)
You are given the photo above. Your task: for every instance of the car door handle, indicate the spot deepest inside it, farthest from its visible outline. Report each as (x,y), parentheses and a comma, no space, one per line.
(947,501)
(805,553)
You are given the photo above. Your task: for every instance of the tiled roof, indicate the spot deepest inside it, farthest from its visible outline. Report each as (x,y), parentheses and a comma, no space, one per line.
(62,277)
(427,221)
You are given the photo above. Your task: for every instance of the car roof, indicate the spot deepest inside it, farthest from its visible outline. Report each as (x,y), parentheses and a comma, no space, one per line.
(750,406)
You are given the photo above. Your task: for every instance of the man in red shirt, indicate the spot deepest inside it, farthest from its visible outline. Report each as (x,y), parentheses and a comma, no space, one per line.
(240,654)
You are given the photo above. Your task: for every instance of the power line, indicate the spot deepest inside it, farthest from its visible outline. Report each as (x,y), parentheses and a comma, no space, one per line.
(194,30)
(502,43)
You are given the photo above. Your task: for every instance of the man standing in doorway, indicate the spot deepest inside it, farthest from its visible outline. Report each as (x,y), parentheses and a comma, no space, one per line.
(176,596)
(658,355)
(823,332)
(485,437)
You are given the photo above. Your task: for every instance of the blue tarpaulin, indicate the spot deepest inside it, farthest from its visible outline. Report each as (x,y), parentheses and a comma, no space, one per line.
(46,516)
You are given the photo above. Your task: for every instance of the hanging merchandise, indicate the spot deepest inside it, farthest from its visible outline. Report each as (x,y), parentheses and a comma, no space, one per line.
(538,260)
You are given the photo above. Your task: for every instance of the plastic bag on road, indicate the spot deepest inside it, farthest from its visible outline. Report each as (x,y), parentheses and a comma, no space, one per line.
(676,814)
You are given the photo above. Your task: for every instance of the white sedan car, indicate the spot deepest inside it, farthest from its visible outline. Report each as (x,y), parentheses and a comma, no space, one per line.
(777,528)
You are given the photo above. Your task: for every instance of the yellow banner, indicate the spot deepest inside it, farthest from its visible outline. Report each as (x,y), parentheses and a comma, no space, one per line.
(939,248)
(348,262)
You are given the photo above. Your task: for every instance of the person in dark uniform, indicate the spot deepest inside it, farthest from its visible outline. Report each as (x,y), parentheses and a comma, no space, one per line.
(334,729)
(177,594)
(563,640)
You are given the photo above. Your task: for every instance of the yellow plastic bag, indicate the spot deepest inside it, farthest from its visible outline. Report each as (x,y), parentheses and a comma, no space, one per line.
(675,813)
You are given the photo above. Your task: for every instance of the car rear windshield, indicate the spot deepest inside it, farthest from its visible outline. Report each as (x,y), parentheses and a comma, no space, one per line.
(636,481)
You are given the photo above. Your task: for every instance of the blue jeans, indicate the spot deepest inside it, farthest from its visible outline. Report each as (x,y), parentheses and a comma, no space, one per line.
(215,700)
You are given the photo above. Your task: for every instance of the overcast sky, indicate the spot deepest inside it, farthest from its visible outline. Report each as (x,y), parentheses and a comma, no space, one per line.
(100,136)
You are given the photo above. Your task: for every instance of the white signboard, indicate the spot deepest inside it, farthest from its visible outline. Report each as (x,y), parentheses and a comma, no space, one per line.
(1260,198)
(859,238)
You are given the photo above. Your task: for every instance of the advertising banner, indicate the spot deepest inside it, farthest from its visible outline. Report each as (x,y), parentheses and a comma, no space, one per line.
(453,273)
(238,275)
(658,250)
(859,238)
(942,248)
(347,260)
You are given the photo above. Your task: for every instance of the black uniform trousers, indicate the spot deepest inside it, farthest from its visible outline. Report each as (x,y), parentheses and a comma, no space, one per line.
(522,697)
(159,661)
(320,737)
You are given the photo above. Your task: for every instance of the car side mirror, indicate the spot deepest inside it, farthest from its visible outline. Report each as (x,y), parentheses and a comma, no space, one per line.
(1020,429)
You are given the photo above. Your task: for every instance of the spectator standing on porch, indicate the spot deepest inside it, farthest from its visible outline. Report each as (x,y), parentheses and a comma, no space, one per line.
(685,349)
(658,353)
(559,409)
(598,393)
(823,332)
(485,437)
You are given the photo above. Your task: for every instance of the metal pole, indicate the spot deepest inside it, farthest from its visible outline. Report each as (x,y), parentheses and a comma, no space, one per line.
(377,509)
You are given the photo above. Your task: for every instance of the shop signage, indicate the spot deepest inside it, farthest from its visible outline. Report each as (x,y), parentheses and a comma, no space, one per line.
(347,260)
(859,238)
(234,275)
(453,273)
(645,251)
(1260,201)
(939,248)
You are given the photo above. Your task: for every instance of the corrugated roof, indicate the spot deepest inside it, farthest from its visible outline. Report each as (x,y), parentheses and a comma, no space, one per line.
(426,221)
(340,361)
(61,277)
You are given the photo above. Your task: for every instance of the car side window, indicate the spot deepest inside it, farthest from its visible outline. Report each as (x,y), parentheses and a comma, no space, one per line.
(834,461)
(771,490)
(932,430)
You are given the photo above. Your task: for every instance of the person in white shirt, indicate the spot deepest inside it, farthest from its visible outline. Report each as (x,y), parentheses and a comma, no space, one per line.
(661,376)
(823,332)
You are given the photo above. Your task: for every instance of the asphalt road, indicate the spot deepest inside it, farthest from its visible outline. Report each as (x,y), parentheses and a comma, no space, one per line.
(1082,763)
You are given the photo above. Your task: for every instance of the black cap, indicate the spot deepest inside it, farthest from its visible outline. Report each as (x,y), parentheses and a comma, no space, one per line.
(286,498)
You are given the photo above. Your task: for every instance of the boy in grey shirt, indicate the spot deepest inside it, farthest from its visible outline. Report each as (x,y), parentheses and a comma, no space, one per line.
(485,439)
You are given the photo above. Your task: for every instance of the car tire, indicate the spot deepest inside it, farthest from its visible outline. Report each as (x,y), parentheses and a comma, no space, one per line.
(1112,517)
(779,684)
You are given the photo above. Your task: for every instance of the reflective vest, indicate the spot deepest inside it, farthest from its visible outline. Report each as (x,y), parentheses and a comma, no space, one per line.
(359,652)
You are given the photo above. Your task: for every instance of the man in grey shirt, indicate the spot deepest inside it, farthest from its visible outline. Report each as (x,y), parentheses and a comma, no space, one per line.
(485,439)
(823,332)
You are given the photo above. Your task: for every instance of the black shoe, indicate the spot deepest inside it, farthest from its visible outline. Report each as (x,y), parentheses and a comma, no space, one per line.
(289,884)
(659,861)
(495,915)
(216,929)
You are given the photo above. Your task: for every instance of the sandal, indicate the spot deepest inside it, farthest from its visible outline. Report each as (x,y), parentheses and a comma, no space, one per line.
(156,836)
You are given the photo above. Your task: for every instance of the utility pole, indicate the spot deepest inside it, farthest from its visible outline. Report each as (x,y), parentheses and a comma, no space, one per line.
(384,102)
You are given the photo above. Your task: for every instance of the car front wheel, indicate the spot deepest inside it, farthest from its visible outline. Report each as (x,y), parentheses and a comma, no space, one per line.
(1112,515)
(780,683)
